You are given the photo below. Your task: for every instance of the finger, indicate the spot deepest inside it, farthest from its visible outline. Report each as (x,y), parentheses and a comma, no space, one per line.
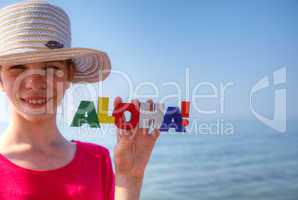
(118,135)
(149,108)
(117,101)
(155,134)
(127,134)
(142,131)
(150,102)
(132,131)
(136,103)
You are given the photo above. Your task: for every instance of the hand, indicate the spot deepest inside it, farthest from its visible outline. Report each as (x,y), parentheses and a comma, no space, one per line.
(133,149)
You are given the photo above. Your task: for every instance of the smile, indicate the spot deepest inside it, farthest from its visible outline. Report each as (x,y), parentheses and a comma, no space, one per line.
(35,101)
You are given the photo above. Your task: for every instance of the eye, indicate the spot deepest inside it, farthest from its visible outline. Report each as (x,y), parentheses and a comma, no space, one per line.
(17,67)
(56,70)
(53,67)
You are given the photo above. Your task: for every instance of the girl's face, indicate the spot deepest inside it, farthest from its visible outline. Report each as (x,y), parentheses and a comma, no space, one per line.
(35,90)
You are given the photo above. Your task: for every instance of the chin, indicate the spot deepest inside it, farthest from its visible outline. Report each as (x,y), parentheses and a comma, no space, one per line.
(38,118)
(36,115)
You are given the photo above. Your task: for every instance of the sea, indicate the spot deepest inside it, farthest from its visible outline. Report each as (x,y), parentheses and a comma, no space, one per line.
(251,162)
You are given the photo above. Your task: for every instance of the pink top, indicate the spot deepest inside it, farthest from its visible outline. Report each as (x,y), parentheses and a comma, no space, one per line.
(89,176)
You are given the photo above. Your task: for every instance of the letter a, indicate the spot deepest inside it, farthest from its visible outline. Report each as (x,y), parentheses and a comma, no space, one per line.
(86,114)
(172,119)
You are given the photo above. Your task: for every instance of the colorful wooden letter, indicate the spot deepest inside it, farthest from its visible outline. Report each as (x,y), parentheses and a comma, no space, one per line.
(120,120)
(86,114)
(103,108)
(151,117)
(172,119)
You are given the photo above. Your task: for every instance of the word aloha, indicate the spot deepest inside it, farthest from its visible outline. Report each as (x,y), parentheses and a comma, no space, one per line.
(143,116)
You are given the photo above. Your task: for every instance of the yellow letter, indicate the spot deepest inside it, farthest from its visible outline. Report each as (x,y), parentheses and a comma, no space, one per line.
(103,108)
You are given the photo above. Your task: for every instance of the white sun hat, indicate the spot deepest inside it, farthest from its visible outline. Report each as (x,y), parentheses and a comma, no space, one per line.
(36,31)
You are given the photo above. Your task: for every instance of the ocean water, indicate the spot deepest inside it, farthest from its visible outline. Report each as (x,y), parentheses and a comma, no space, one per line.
(253,163)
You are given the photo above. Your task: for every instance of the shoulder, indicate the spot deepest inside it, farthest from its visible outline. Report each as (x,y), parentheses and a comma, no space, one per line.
(92,149)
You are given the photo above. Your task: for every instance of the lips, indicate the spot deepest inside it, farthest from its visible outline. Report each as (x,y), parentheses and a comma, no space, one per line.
(35,101)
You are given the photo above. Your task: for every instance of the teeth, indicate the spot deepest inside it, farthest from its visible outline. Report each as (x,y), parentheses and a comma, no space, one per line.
(37,101)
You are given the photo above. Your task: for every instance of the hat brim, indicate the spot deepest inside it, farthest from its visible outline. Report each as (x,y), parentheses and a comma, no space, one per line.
(91,65)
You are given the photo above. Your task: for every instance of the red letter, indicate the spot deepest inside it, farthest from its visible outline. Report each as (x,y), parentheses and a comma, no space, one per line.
(120,120)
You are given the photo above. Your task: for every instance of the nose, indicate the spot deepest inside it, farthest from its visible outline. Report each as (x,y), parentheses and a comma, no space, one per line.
(35,82)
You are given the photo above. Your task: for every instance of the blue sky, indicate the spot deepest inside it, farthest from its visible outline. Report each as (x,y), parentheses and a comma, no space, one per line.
(219,41)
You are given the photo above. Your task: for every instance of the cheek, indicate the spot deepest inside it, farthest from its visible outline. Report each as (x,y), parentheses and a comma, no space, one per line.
(12,92)
(60,88)
(8,86)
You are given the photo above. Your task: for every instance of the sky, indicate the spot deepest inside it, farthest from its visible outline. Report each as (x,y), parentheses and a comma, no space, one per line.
(220,42)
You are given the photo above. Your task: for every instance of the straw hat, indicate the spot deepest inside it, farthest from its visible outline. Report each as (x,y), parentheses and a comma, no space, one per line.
(36,31)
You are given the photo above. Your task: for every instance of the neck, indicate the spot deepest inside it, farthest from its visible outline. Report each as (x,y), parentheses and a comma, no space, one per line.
(39,134)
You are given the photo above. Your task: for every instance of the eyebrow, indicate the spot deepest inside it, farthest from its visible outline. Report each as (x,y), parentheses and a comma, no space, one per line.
(18,66)
(46,63)
(54,63)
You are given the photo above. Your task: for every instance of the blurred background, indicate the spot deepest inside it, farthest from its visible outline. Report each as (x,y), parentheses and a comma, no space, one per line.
(211,53)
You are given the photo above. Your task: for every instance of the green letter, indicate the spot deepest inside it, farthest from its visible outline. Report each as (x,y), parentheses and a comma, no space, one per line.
(86,114)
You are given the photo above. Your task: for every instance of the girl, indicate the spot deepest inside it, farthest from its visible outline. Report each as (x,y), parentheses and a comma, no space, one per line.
(37,66)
